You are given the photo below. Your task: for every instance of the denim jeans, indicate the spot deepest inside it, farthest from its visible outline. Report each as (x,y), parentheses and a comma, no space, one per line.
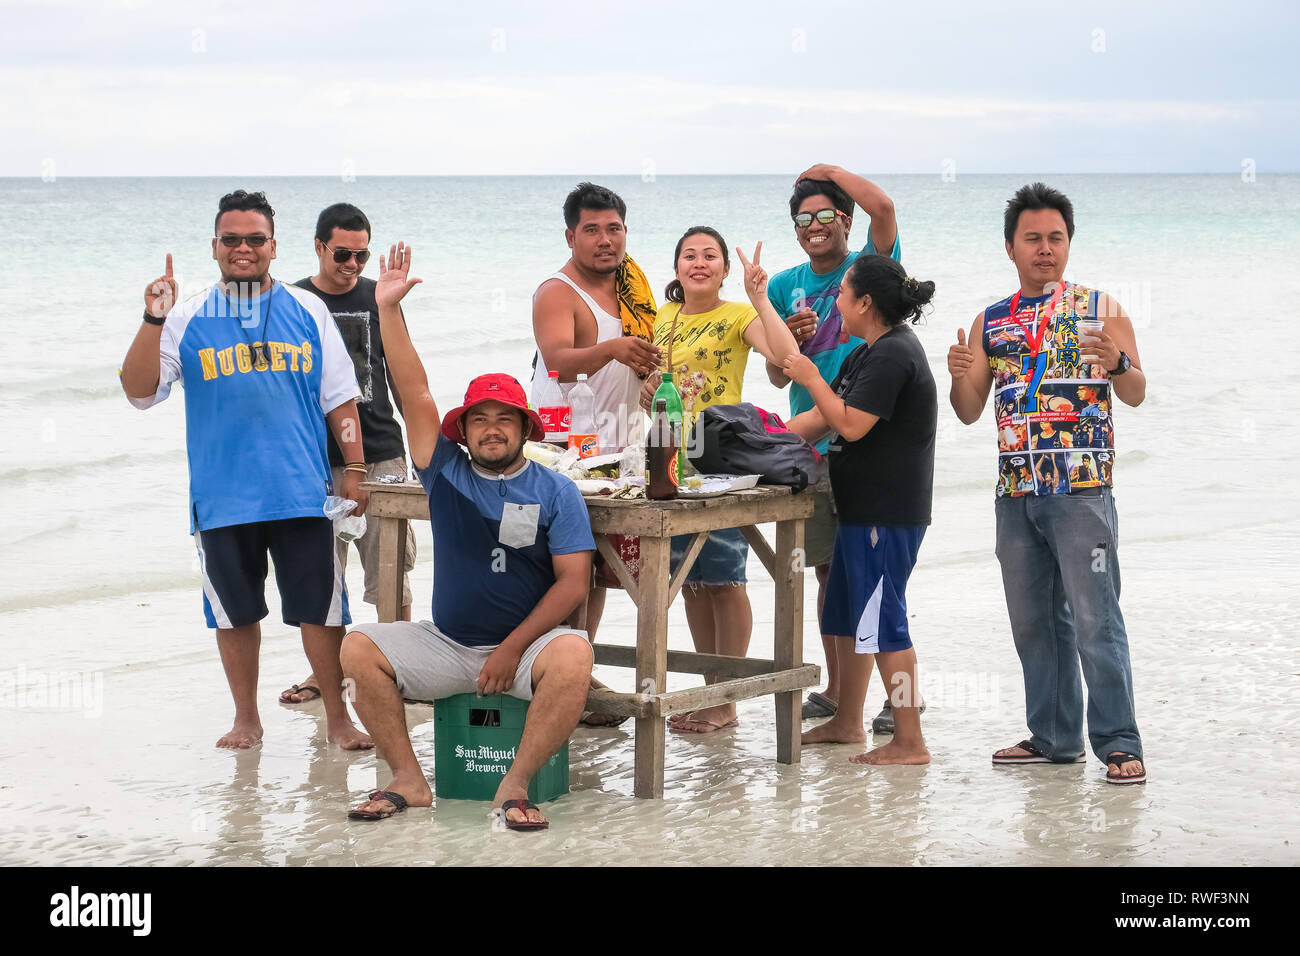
(1060,571)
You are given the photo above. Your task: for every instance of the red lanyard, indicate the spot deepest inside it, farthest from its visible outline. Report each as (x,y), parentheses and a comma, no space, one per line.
(1035,342)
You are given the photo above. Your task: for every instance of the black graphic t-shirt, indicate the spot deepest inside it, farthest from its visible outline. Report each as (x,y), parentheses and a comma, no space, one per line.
(886,477)
(357,316)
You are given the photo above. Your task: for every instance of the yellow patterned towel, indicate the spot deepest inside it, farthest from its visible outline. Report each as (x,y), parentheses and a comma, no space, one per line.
(636,303)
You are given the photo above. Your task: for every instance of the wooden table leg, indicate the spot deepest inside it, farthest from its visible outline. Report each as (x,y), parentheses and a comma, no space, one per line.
(787,651)
(392,553)
(651,663)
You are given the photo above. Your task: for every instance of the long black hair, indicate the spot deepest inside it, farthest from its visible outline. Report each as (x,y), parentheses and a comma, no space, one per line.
(898,297)
(673,292)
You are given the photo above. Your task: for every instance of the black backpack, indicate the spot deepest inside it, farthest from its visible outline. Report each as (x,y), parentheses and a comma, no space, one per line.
(745,440)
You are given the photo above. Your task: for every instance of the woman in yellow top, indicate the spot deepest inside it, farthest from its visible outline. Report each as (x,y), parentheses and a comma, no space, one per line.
(710,347)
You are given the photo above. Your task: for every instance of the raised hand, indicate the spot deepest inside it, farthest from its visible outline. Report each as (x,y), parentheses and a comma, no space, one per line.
(393,283)
(960,356)
(160,295)
(755,275)
(822,171)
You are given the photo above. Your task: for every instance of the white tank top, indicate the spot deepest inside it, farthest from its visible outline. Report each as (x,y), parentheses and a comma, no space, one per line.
(616,387)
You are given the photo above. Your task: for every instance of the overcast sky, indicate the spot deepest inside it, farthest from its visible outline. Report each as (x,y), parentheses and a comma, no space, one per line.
(133,87)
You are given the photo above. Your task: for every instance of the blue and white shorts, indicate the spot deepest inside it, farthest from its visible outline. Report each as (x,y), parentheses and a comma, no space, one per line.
(865,597)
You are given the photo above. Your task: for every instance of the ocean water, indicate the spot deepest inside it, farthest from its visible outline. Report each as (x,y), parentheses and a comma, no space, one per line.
(100,575)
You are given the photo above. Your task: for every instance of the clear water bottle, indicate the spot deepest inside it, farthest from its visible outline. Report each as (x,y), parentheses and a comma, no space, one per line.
(582,419)
(554,409)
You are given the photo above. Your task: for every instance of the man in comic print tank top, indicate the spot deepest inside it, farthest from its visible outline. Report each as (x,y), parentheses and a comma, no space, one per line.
(1053,353)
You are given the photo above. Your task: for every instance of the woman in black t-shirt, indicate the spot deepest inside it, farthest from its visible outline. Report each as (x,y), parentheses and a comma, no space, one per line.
(882,409)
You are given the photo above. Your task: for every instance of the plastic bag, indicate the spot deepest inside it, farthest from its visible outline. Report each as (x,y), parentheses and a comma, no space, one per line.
(347,526)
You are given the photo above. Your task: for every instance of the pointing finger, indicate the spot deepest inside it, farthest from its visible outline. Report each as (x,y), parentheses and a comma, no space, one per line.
(169,265)
(740,253)
(758,251)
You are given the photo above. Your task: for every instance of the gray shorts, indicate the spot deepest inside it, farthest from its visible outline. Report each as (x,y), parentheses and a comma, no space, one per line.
(368,543)
(429,665)
(819,529)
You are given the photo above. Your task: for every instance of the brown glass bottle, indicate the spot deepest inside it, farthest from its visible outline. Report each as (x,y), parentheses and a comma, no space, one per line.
(661,455)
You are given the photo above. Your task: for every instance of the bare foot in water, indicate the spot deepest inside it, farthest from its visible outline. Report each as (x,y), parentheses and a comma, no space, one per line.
(241,737)
(349,737)
(835,731)
(893,753)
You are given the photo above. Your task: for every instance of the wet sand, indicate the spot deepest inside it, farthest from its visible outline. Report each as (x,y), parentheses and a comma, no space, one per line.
(127,774)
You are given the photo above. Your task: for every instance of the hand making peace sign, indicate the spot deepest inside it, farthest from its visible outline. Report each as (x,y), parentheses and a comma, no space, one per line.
(755,275)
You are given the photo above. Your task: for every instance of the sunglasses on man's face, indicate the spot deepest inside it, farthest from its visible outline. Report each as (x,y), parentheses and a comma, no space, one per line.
(234,242)
(825,216)
(342,255)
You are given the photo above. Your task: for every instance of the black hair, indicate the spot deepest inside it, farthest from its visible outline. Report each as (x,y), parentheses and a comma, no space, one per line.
(591,196)
(673,292)
(898,298)
(820,187)
(1037,196)
(343,216)
(241,201)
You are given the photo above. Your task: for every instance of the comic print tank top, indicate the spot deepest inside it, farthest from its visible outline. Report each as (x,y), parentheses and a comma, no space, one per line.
(1055,435)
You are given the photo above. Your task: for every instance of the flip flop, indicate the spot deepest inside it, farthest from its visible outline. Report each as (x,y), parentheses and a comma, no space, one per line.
(524,824)
(1033,755)
(818,705)
(396,799)
(1117,760)
(300,689)
(690,725)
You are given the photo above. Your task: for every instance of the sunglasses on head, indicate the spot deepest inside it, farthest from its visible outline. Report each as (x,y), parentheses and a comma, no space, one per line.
(233,242)
(343,255)
(825,216)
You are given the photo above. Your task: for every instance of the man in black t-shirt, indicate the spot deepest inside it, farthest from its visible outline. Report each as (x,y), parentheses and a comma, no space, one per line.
(342,238)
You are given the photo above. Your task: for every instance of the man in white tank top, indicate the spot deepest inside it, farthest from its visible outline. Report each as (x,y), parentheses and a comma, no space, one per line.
(576,318)
(578,329)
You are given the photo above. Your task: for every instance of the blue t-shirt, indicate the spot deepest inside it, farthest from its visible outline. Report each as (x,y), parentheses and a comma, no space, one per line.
(799,288)
(255,431)
(493,539)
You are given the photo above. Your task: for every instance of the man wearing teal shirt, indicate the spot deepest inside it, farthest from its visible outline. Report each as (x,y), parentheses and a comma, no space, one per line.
(822,207)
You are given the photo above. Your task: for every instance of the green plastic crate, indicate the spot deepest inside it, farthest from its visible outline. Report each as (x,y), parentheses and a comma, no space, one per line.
(474,743)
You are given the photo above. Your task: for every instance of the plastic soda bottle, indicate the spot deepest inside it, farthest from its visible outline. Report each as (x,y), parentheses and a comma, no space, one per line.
(672,399)
(554,410)
(582,419)
(661,455)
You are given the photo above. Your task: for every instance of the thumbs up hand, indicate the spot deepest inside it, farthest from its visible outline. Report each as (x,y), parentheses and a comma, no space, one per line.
(960,356)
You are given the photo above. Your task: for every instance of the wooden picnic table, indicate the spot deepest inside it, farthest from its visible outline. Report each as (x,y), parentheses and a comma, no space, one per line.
(655,522)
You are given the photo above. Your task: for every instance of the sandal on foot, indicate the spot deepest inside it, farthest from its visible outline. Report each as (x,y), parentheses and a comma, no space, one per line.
(396,799)
(818,705)
(883,722)
(525,824)
(1032,755)
(300,689)
(1115,763)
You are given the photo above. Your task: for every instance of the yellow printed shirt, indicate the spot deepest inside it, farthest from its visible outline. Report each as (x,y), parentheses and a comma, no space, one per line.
(711,348)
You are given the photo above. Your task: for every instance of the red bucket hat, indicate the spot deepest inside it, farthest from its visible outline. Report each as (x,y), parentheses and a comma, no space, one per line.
(497,387)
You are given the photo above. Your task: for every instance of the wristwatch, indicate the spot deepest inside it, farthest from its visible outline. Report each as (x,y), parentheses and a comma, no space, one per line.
(1124,365)
(153,320)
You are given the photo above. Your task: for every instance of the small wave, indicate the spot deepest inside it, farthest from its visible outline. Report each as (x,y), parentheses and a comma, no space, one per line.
(66,470)
(117,588)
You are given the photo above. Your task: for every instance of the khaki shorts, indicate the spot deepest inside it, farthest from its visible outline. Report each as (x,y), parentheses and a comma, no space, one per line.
(819,529)
(429,665)
(368,543)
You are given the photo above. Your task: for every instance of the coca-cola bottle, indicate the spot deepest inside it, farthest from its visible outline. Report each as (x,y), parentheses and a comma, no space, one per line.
(553,409)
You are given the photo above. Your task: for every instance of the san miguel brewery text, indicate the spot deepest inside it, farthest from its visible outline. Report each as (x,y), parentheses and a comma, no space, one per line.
(74,909)
(472,755)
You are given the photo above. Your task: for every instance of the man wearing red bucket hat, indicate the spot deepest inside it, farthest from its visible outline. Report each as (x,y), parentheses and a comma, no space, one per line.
(512,559)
